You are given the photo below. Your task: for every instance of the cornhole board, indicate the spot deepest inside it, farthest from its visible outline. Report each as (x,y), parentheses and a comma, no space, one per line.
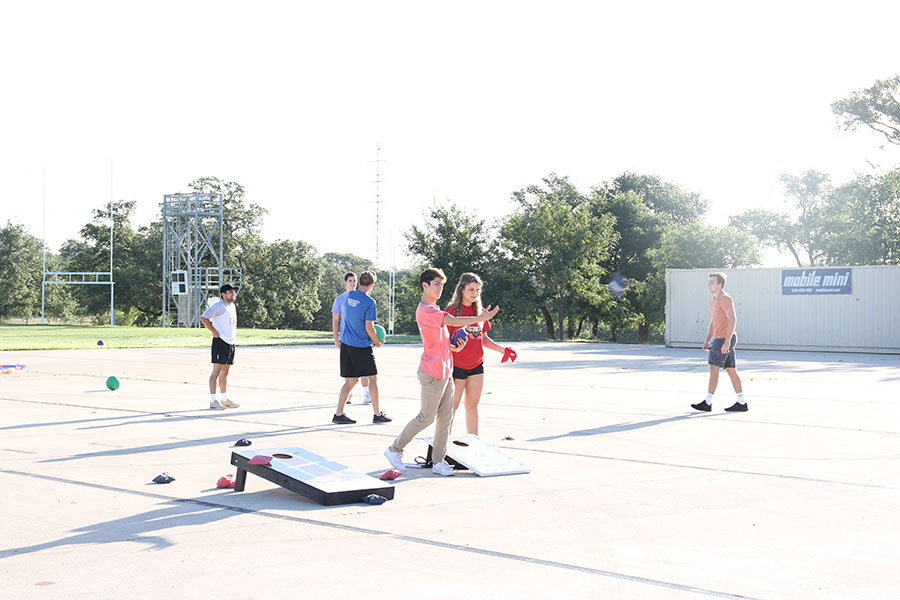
(478,456)
(308,474)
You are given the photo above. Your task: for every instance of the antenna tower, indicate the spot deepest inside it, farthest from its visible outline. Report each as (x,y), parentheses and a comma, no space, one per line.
(378,203)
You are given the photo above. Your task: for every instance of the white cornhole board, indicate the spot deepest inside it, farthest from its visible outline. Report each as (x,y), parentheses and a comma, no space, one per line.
(480,457)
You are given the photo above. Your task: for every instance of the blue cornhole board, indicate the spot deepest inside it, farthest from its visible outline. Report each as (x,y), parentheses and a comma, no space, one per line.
(308,474)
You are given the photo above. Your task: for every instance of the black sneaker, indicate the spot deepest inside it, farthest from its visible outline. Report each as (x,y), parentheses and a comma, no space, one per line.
(738,407)
(342,420)
(704,406)
(382,418)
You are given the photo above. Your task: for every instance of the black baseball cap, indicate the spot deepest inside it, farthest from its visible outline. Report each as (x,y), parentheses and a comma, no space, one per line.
(226,288)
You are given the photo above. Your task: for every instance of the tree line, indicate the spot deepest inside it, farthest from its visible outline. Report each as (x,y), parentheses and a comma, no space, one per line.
(548,263)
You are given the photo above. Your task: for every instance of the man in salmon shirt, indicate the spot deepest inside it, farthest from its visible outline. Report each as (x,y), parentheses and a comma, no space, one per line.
(722,324)
(435,373)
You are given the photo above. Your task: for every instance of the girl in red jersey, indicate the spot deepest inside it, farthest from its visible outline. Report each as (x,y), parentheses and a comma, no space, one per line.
(468,363)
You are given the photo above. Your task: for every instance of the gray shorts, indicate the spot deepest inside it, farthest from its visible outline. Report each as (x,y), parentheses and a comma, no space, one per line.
(723,361)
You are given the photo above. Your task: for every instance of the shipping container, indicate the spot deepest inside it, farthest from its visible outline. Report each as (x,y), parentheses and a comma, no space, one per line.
(833,309)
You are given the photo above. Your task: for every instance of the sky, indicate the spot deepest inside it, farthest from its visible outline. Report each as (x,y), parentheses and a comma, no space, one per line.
(461,102)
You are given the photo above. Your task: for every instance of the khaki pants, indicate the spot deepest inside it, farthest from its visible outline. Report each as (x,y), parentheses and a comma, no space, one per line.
(437,401)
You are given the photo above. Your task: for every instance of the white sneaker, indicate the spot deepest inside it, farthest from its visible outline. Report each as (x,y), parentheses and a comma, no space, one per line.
(396,459)
(216,405)
(230,404)
(443,469)
(367,399)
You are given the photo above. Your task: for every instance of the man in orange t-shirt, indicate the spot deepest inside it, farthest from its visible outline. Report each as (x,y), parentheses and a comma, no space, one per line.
(721,340)
(435,371)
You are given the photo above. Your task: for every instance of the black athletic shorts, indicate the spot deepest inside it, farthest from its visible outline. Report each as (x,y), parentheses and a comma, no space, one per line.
(723,361)
(222,352)
(460,373)
(357,362)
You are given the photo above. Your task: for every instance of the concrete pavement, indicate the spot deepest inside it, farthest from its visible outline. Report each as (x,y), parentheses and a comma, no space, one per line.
(631,495)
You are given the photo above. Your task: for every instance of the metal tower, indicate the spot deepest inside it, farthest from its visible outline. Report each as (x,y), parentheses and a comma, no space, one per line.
(378,203)
(192,257)
(393,295)
(378,218)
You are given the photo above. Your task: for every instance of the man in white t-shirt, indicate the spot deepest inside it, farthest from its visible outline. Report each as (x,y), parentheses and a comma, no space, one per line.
(221,320)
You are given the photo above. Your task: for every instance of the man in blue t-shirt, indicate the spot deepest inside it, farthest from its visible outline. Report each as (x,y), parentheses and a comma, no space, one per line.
(357,334)
(337,327)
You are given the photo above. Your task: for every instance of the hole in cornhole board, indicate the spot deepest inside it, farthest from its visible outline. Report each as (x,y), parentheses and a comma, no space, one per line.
(460,443)
(281,455)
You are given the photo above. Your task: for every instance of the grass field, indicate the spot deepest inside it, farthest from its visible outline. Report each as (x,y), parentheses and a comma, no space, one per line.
(68,337)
